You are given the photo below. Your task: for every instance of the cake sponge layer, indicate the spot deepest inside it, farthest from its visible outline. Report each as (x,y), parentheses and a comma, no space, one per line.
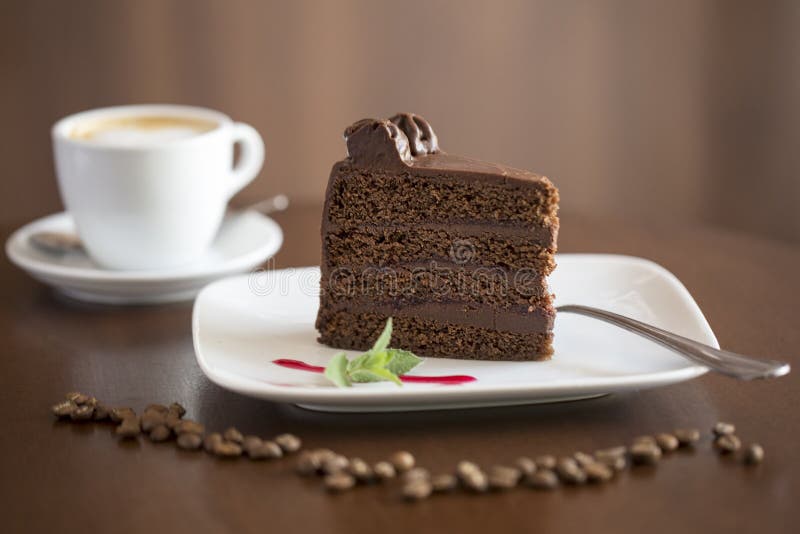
(429,337)
(403,198)
(392,245)
(497,287)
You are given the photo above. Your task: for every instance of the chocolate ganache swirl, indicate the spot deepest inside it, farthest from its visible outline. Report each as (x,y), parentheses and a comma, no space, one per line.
(422,139)
(398,140)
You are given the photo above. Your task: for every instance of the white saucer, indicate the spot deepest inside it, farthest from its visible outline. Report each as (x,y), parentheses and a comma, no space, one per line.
(240,325)
(245,240)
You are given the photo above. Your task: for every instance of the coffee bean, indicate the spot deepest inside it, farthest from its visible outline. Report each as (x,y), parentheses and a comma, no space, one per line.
(189,441)
(402,460)
(118,414)
(543,479)
(416,473)
(128,428)
(251,442)
(289,442)
(465,468)
(566,463)
(723,429)
(64,409)
(502,477)
(267,450)
(176,409)
(471,476)
(172,421)
(618,450)
(583,459)
(687,436)
(598,472)
(329,456)
(475,481)
(225,449)
(83,412)
(101,412)
(667,442)
(308,463)
(151,419)
(646,439)
(727,443)
(156,408)
(271,449)
(77,397)
(569,471)
(160,433)
(384,470)
(339,481)
(190,427)
(753,454)
(232,434)
(360,470)
(324,454)
(546,461)
(444,482)
(645,453)
(210,441)
(603,455)
(417,489)
(525,465)
(334,464)
(617,463)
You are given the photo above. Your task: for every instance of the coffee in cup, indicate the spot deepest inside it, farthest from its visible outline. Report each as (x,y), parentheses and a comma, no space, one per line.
(133,130)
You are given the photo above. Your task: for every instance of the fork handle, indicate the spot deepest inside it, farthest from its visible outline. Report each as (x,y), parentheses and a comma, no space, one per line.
(723,361)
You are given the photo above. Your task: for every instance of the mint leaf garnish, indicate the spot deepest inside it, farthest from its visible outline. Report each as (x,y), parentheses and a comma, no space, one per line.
(363,375)
(385,374)
(359,362)
(336,371)
(402,361)
(383,340)
(379,364)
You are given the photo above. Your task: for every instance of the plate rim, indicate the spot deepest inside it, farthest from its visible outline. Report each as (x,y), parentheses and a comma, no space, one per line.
(83,274)
(361,396)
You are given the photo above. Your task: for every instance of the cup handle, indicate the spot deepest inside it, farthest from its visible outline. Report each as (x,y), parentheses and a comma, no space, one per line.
(251,158)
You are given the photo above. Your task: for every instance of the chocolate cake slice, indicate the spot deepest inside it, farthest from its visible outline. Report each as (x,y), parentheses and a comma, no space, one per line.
(456,251)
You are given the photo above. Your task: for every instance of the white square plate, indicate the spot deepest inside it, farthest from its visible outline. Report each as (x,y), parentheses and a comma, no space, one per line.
(241,324)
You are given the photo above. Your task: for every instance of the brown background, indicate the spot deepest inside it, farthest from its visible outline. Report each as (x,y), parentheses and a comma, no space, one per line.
(642,109)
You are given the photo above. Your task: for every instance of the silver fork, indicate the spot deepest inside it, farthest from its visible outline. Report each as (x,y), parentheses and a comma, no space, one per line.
(723,361)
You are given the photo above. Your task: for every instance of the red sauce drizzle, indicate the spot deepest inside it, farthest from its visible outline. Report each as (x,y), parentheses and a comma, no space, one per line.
(417,379)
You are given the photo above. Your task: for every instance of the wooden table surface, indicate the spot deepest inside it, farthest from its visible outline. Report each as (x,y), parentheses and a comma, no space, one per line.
(59,477)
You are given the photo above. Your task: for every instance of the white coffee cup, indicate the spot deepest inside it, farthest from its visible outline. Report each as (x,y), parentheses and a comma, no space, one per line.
(147,185)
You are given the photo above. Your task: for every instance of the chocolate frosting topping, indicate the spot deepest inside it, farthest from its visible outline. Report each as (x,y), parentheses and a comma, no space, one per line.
(374,142)
(399,139)
(408,140)
(422,139)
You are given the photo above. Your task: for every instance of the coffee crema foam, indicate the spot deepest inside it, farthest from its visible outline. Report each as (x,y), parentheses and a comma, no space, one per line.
(140,129)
